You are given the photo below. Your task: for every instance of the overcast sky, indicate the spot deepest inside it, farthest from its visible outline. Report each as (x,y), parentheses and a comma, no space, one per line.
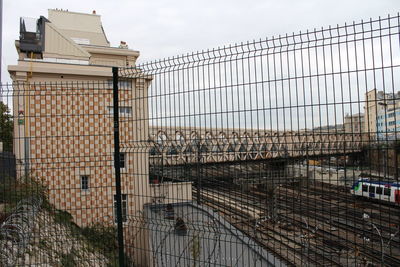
(161,28)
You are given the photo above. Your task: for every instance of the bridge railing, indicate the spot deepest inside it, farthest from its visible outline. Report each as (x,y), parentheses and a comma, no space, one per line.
(255,147)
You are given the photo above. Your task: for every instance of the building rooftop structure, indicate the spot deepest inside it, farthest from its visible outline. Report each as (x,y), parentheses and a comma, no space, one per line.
(208,238)
(85,29)
(69,38)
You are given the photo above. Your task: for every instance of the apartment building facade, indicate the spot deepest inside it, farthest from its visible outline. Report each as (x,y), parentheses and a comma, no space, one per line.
(388,121)
(63,135)
(382,114)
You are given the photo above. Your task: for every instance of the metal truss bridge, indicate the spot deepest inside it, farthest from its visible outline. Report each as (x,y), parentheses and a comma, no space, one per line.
(175,146)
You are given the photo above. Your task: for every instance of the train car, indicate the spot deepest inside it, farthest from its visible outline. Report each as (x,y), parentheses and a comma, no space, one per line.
(384,191)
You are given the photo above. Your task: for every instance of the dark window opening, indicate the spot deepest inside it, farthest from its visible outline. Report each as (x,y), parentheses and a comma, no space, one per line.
(84,182)
(122,160)
(124,205)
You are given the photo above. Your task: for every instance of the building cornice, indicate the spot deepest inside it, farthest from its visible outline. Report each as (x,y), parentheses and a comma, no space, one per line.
(110,50)
(73,12)
(68,69)
(60,68)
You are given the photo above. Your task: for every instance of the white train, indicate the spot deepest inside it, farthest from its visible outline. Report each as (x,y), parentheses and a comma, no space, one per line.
(384,191)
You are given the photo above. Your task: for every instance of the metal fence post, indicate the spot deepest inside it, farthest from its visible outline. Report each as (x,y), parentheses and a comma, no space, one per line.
(198,167)
(117,168)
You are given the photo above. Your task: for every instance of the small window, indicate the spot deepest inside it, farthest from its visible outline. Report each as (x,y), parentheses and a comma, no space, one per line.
(386,192)
(379,190)
(124,205)
(84,182)
(122,160)
(372,189)
(123,111)
(122,84)
(365,188)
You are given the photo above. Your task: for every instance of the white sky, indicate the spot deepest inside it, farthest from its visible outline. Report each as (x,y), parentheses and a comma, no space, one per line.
(165,28)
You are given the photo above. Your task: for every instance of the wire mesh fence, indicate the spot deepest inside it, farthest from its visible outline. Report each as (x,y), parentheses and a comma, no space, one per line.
(281,151)
(290,140)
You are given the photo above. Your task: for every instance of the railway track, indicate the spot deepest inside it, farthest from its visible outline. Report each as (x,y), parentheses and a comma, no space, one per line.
(349,208)
(266,235)
(351,225)
(310,210)
(352,235)
(270,236)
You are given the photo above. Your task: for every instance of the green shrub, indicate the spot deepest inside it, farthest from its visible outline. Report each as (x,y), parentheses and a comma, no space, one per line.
(102,237)
(68,260)
(62,217)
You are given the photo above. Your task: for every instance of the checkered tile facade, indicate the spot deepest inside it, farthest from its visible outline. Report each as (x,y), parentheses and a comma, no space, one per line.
(71,134)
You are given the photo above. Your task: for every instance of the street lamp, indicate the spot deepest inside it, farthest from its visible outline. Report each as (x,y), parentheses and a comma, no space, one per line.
(366,217)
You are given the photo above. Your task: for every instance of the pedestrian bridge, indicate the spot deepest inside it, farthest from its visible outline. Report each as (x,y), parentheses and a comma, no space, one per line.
(175,146)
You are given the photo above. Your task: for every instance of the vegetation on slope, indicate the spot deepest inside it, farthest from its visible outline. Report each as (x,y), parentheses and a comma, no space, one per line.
(55,239)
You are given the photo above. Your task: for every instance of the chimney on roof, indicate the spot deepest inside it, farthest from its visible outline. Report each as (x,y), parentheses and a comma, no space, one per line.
(123,45)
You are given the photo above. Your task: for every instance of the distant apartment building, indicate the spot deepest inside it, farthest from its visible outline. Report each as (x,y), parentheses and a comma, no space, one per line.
(354,123)
(371,110)
(388,121)
(382,114)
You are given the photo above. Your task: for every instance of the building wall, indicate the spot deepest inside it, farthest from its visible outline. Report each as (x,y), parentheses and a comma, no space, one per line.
(382,114)
(370,114)
(67,132)
(354,123)
(388,121)
(168,193)
(107,60)
(70,134)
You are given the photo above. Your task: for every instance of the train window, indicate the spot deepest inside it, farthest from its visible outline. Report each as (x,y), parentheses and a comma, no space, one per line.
(379,190)
(372,189)
(387,192)
(365,188)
